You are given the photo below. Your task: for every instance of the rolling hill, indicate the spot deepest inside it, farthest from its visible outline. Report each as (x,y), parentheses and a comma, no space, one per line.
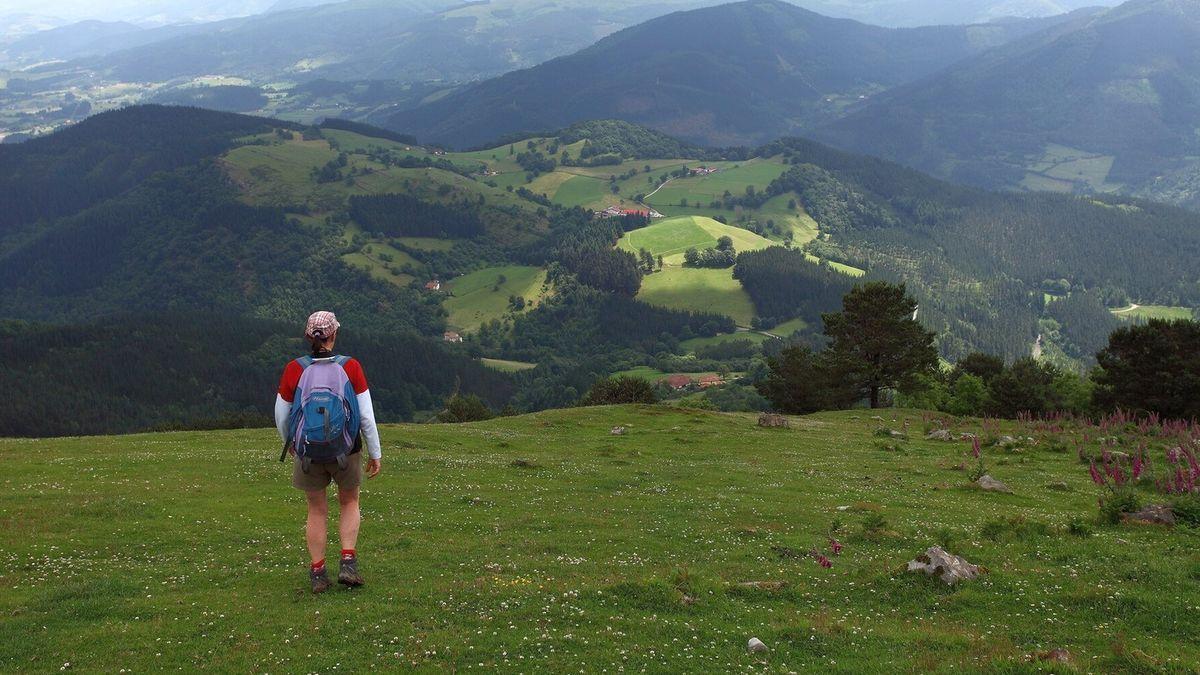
(545,543)
(1101,103)
(735,74)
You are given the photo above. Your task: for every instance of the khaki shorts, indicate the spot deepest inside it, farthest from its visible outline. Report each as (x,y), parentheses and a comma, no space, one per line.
(319,475)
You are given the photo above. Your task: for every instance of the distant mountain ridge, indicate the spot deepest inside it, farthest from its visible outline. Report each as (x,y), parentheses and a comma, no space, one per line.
(733,74)
(1100,103)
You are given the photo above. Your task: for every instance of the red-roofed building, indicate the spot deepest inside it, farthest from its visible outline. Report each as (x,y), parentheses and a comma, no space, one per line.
(434,285)
(451,336)
(711,381)
(677,381)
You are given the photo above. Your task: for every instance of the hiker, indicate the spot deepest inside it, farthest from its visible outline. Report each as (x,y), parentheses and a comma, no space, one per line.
(323,413)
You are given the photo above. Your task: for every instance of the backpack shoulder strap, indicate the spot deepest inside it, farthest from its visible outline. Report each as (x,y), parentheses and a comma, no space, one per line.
(305,361)
(341,360)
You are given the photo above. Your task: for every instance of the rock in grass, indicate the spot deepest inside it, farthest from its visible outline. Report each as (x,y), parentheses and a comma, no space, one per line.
(772,421)
(940,435)
(951,569)
(1058,655)
(990,484)
(1154,514)
(618,431)
(773,586)
(1060,486)
(756,646)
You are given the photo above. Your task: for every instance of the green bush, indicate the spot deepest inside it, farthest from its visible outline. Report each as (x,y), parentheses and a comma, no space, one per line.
(621,389)
(1120,502)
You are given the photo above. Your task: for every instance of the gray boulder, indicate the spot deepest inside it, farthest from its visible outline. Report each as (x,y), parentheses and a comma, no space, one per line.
(951,569)
(940,435)
(990,484)
(1153,514)
(756,646)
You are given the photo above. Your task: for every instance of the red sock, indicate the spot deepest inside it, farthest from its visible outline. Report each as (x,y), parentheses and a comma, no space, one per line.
(319,565)
(348,553)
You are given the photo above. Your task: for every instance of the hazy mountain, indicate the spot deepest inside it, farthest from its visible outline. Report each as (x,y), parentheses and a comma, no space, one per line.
(1099,103)
(733,74)
(85,38)
(909,13)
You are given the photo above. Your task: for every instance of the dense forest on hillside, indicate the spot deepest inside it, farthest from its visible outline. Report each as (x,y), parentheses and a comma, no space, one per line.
(77,167)
(133,372)
(783,284)
(399,215)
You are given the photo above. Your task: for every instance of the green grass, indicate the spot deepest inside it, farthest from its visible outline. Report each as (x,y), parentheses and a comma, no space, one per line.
(654,375)
(596,553)
(671,237)
(696,343)
(786,328)
(700,290)
(476,300)
(507,366)
(733,177)
(1155,312)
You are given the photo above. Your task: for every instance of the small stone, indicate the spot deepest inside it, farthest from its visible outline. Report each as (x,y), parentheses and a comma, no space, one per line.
(951,569)
(1006,440)
(763,585)
(1060,486)
(940,435)
(843,508)
(965,436)
(756,646)
(990,484)
(618,431)
(1058,655)
(772,421)
(1154,514)
(877,418)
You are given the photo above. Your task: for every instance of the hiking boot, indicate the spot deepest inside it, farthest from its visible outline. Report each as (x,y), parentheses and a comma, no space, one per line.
(348,573)
(320,580)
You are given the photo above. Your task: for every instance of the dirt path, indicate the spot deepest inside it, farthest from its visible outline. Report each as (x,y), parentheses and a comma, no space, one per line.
(1037,348)
(1132,306)
(657,189)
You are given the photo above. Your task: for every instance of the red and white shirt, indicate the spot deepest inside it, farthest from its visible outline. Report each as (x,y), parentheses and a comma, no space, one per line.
(358,379)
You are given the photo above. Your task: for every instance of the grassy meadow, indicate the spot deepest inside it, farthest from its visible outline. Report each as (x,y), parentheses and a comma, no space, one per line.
(544,543)
(482,296)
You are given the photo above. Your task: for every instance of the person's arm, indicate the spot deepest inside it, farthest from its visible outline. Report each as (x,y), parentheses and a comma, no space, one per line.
(366,416)
(370,431)
(282,411)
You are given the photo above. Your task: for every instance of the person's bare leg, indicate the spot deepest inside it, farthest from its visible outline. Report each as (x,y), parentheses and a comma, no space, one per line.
(349,518)
(316,529)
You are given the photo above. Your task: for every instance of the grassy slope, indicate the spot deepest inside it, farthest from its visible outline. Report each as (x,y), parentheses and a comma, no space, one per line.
(712,290)
(158,552)
(1155,312)
(474,302)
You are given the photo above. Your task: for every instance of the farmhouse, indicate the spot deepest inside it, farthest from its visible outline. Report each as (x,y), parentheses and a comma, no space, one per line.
(452,337)
(703,170)
(434,285)
(677,382)
(711,381)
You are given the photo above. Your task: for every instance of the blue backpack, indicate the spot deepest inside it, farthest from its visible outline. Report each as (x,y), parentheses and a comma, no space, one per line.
(324,421)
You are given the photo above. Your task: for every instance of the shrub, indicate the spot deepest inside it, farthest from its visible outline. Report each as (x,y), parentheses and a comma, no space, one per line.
(465,409)
(1121,501)
(1187,509)
(619,390)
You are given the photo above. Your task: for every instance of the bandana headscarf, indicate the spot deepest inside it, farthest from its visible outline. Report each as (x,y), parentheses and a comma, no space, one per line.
(321,325)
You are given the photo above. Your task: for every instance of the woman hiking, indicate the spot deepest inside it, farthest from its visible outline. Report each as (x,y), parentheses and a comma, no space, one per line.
(324,414)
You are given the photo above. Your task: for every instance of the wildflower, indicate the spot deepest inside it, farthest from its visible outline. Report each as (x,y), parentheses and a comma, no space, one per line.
(1097,477)
(824,562)
(835,546)
(975,450)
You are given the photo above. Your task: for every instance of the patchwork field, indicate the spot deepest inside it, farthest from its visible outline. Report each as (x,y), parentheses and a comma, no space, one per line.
(544,543)
(671,237)
(699,290)
(1153,312)
(482,296)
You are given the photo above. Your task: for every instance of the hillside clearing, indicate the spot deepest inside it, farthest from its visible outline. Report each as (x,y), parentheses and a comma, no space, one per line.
(1143,312)
(482,296)
(671,237)
(595,552)
(698,290)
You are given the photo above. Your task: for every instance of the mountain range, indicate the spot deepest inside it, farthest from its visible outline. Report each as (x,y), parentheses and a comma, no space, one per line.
(1101,103)
(740,73)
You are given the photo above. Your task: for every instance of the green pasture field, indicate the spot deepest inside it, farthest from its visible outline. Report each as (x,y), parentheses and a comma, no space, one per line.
(473,302)
(544,543)
(699,290)
(672,237)
(507,366)
(696,343)
(1155,312)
